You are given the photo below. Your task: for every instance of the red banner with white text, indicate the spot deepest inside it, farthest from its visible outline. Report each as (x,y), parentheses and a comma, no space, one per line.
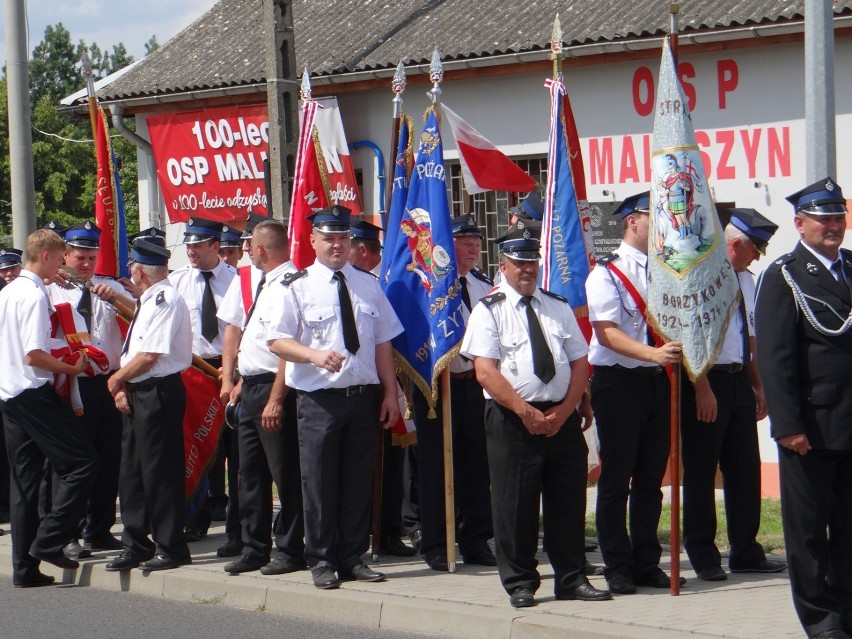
(210,162)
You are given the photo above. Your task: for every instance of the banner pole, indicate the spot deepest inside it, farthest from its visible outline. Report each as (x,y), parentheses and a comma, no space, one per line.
(674,454)
(449,488)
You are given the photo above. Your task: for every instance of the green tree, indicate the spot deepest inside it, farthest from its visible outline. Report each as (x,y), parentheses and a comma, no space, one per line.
(152,45)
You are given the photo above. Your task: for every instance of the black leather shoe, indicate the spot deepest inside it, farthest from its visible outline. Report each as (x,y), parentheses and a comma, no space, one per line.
(485,558)
(361,572)
(75,551)
(283,565)
(620,583)
(325,579)
(584,592)
(765,566)
(521,598)
(37,581)
(244,564)
(438,563)
(106,542)
(233,548)
(591,570)
(591,547)
(192,534)
(164,562)
(711,573)
(393,546)
(125,561)
(58,559)
(834,633)
(657,579)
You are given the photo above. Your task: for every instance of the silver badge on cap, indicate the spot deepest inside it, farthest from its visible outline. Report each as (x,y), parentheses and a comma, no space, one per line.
(335,211)
(520,224)
(152,232)
(526,234)
(225,228)
(87,226)
(2,251)
(829,185)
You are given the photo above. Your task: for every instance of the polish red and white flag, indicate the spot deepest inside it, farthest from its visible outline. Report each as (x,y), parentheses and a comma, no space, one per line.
(484,166)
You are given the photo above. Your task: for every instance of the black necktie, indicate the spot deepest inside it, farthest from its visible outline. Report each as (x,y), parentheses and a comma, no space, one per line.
(130,329)
(542,357)
(209,325)
(257,291)
(350,331)
(84,307)
(465,293)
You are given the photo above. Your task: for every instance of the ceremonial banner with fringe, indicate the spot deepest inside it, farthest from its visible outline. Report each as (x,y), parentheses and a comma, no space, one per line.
(109,207)
(310,192)
(566,236)
(692,287)
(419,272)
(202,425)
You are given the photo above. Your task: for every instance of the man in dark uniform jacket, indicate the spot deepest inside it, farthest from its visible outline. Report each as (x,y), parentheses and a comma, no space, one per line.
(805,358)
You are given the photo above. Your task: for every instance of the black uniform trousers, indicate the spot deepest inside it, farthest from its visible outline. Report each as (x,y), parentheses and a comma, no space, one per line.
(4,476)
(816,508)
(528,470)
(102,422)
(470,471)
(151,484)
(730,443)
(393,463)
(39,426)
(631,408)
(267,457)
(229,449)
(337,452)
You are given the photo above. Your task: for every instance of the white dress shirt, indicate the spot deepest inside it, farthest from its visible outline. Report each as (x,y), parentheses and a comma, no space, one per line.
(189,283)
(477,289)
(500,331)
(255,358)
(232,310)
(309,312)
(25,323)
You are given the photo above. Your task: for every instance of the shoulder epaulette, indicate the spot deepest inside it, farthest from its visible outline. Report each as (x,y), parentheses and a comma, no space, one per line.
(847,257)
(781,261)
(482,277)
(161,298)
(289,278)
(554,295)
(358,268)
(493,298)
(606,259)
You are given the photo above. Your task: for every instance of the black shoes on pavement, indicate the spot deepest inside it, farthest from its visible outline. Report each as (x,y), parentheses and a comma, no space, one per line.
(105,542)
(126,561)
(38,580)
(232,548)
(484,558)
(584,592)
(521,598)
(282,565)
(244,564)
(324,578)
(656,578)
(58,559)
(711,573)
(766,566)
(393,546)
(361,572)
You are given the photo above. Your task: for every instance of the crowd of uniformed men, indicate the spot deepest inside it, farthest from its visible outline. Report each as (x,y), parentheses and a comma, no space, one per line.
(308,377)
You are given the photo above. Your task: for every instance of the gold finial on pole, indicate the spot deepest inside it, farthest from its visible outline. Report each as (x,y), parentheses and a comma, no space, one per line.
(556,47)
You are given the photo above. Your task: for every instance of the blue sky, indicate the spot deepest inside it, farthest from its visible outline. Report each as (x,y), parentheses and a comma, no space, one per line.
(109,22)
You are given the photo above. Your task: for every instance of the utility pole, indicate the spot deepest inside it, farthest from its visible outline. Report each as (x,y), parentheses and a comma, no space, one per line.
(20,124)
(820,136)
(282,98)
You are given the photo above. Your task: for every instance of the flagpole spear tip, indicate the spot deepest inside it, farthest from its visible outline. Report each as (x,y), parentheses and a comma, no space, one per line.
(398,86)
(305,90)
(556,47)
(674,8)
(436,74)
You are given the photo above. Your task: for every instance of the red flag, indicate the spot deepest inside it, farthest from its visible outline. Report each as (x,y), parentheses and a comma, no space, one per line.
(310,193)
(109,208)
(484,166)
(202,425)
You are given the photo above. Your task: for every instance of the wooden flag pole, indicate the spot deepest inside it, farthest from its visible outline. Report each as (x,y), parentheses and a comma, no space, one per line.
(449,488)
(674,454)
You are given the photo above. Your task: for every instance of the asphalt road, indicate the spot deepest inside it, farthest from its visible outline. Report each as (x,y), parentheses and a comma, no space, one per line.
(69,612)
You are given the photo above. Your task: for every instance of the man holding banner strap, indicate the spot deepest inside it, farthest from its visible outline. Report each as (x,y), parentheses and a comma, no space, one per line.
(89,299)
(634,435)
(267,427)
(719,416)
(803,315)
(530,357)
(336,328)
(149,391)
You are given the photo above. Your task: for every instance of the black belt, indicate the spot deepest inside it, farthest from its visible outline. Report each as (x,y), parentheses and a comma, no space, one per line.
(263,378)
(349,391)
(639,370)
(471,374)
(215,362)
(150,383)
(734,367)
(543,406)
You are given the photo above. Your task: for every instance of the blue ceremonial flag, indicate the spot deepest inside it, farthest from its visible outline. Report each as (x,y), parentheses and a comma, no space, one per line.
(419,272)
(123,251)
(567,251)
(692,287)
